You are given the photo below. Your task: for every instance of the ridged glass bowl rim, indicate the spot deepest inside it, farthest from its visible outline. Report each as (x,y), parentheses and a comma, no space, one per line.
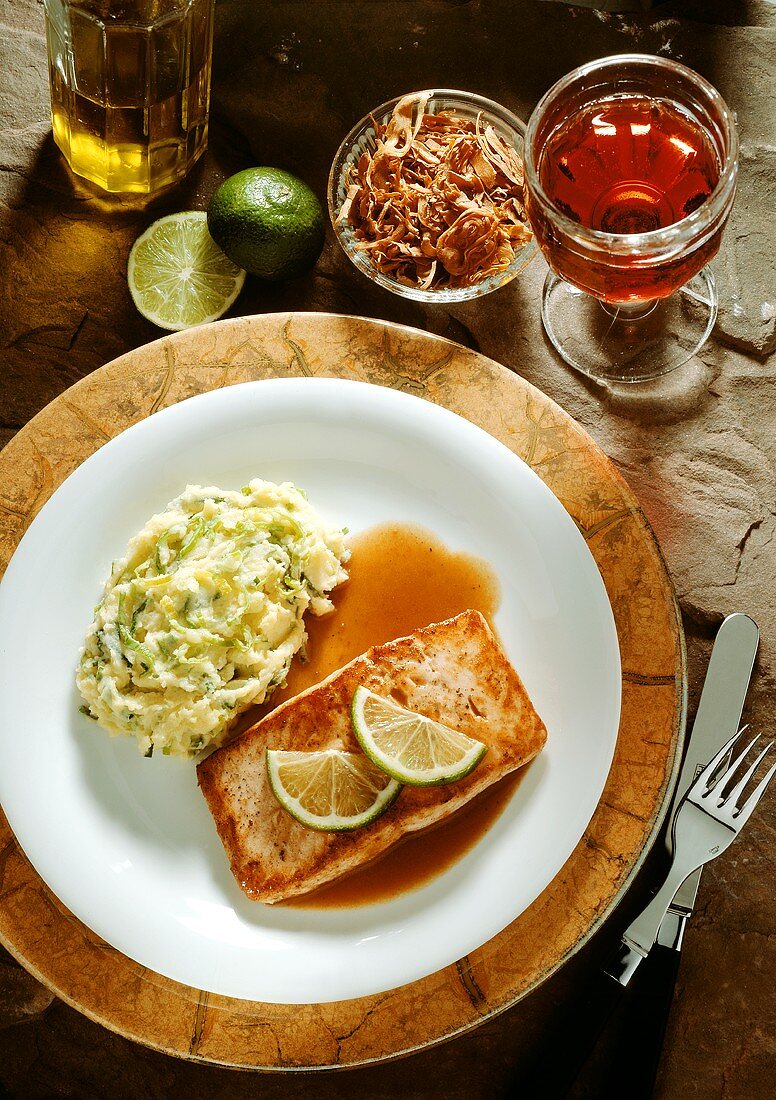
(686,230)
(115,21)
(451,99)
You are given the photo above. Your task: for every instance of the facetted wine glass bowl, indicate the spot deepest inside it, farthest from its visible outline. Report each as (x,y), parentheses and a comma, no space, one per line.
(626,340)
(611,265)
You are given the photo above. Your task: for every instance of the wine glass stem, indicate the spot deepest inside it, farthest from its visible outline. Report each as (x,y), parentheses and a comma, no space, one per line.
(633,311)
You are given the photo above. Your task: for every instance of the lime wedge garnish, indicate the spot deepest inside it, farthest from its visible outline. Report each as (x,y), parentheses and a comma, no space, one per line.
(177,274)
(409,747)
(332,791)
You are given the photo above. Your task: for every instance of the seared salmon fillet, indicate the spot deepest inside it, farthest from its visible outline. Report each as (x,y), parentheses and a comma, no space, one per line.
(454,672)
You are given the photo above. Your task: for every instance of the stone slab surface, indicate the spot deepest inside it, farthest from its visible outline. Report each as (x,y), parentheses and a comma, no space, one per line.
(698,450)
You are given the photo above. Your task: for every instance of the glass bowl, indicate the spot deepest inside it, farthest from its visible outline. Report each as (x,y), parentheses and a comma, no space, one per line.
(362,139)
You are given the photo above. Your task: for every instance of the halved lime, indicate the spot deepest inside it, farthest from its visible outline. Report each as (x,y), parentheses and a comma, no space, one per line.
(177,274)
(409,747)
(331,790)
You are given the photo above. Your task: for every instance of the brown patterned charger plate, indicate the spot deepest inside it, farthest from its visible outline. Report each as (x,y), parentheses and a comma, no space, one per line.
(143,1005)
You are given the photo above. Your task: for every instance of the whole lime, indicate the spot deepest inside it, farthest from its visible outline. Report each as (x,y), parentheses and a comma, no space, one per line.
(268,222)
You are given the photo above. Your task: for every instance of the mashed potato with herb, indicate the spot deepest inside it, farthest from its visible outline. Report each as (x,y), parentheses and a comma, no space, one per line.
(204,614)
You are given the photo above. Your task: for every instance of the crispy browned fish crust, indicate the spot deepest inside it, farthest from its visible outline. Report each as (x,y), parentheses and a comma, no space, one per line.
(454,672)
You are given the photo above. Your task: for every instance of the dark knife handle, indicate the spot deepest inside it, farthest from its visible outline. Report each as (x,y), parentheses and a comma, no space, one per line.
(560,1055)
(643,1025)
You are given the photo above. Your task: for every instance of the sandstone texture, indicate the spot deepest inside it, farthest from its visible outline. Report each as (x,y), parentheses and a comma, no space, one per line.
(698,449)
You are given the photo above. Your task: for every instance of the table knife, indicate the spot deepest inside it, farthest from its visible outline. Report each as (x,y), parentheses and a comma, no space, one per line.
(717,718)
(718,715)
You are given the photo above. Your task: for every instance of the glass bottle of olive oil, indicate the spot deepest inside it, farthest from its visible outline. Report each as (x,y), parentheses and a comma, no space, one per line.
(130,88)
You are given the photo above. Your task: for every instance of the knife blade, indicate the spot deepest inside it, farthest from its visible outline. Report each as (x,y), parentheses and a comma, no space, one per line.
(719,712)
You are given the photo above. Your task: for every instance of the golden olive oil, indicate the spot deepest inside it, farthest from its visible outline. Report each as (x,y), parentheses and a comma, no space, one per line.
(130,88)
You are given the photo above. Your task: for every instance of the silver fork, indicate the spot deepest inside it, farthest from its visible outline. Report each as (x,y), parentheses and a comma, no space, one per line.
(707,821)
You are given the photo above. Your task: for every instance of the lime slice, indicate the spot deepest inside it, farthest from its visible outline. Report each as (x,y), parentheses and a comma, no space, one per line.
(177,274)
(332,791)
(410,747)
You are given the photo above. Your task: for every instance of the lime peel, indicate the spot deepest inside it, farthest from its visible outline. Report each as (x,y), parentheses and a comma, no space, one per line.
(269,222)
(411,748)
(178,276)
(331,791)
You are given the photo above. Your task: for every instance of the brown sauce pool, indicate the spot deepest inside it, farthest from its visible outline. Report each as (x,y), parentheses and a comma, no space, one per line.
(417,859)
(401,578)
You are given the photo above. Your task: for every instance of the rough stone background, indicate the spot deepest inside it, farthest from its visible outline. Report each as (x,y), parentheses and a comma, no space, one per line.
(290,77)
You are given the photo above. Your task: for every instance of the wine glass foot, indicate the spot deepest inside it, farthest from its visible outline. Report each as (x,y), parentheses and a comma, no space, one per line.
(612,344)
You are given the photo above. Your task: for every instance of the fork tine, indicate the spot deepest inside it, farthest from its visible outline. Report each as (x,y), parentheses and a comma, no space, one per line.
(700,784)
(742,817)
(724,764)
(734,794)
(727,776)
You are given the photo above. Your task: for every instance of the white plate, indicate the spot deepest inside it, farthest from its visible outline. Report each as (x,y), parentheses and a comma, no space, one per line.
(128,844)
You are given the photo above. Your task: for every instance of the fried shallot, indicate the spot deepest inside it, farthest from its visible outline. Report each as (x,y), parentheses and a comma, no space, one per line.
(439,201)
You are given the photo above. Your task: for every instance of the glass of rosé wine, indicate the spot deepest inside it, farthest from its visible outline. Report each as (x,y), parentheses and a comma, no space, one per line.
(630,166)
